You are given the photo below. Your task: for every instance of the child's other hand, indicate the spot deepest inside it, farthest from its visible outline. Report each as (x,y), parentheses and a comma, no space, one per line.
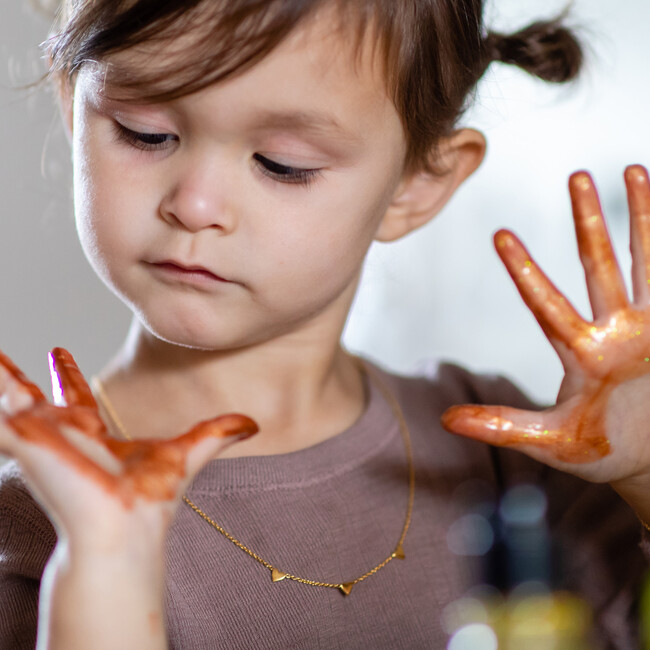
(98,491)
(600,426)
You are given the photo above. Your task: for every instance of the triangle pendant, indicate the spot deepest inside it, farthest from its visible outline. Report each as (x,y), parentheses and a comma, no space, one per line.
(346,588)
(399,553)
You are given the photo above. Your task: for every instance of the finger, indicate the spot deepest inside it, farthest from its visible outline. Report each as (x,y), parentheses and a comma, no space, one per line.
(69,388)
(39,432)
(211,438)
(555,314)
(228,429)
(59,474)
(638,197)
(605,284)
(160,470)
(16,391)
(526,431)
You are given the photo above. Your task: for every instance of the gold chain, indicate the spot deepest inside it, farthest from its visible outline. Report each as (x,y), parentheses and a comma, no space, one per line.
(276,575)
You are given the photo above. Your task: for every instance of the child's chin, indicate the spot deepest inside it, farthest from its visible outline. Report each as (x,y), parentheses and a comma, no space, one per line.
(195,338)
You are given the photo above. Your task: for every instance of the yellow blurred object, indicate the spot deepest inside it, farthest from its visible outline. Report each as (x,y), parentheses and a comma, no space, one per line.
(554,621)
(540,621)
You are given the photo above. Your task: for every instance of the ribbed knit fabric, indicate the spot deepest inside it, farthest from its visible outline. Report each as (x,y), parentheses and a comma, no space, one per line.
(330,513)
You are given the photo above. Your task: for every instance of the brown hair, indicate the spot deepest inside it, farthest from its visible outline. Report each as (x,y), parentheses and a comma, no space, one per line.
(433,51)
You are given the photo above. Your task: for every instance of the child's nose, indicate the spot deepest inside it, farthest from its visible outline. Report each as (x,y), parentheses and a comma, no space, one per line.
(197,198)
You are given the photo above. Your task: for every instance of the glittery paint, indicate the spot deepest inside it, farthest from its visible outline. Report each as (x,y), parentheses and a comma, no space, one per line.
(150,469)
(605,353)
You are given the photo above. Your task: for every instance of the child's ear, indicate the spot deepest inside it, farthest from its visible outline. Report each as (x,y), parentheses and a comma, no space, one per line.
(420,196)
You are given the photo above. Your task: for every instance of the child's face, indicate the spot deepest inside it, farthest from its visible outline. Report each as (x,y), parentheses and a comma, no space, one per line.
(217,193)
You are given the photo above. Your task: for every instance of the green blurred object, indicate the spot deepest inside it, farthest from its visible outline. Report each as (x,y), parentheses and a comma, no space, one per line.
(644,613)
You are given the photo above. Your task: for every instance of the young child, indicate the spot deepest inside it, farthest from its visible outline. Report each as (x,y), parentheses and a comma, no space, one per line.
(233,161)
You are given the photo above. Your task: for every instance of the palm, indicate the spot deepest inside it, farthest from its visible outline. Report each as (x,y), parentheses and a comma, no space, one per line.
(85,479)
(598,428)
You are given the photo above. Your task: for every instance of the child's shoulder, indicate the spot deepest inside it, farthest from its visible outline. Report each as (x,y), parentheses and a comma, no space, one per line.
(21,518)
(437,386)
(428,392)
(425,395)
(27,539)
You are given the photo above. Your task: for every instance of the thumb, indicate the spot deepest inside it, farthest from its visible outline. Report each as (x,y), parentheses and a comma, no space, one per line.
(210,438)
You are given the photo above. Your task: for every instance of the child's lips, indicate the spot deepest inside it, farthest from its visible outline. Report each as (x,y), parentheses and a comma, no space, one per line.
(188,272)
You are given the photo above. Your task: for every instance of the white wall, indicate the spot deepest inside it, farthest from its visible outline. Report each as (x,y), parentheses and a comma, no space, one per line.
(49,295)
(440,293)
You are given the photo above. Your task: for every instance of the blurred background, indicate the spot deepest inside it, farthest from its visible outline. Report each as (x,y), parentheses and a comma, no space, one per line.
(440,294)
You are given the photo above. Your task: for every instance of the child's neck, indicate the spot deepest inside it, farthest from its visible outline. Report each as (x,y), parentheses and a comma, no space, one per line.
(298,396)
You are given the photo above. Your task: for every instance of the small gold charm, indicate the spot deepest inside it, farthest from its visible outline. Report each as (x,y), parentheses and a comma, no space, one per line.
(399,553)
(346,588)
(277,575)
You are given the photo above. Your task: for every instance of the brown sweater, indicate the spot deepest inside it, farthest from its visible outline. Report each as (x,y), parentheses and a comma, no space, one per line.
(330,513)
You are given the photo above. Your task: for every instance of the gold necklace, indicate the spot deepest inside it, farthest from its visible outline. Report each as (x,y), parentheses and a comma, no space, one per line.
(276,575)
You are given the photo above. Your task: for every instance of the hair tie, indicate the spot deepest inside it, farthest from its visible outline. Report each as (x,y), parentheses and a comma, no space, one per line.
(494,46)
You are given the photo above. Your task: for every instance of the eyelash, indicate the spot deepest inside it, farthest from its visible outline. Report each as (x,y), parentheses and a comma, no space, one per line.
(270,168)
(285,174)
(143,141)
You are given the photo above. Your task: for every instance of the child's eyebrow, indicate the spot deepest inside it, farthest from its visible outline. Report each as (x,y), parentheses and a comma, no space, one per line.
(314,122)
(303,121)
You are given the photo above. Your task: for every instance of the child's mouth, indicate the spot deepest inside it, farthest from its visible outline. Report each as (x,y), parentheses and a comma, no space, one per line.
(190,274)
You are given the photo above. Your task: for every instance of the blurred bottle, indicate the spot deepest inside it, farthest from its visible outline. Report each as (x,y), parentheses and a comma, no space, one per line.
(518,604)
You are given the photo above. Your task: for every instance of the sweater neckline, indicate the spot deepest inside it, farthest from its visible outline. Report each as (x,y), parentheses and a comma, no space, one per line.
(337,455)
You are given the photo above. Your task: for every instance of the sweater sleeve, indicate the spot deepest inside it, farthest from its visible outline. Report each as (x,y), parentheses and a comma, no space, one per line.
(27,539)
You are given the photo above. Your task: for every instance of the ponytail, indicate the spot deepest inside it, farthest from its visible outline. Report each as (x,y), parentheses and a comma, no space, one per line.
(544,49)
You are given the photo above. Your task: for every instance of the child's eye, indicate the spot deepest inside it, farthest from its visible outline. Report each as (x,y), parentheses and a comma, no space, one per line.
(285,174)
(144,141)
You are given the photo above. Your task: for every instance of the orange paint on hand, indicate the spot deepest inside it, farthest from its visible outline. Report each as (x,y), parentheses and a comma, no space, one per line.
(150,469)
(611,350)
(13,371)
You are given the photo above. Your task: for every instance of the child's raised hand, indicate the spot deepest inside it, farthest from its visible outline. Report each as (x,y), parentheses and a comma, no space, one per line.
(600,426)
(91,484)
